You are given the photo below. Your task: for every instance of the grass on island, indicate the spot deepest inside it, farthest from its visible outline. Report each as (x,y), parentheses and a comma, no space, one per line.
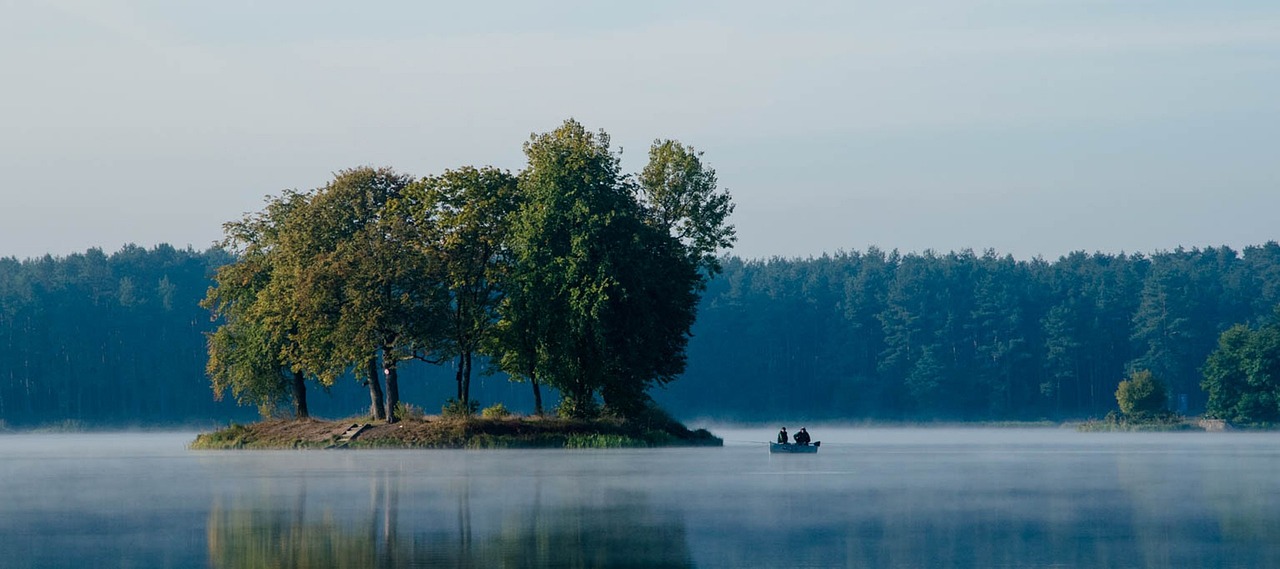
(444,432)
(1140,422)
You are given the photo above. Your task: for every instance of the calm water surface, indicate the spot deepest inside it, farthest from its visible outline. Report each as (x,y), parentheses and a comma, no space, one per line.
(871,498)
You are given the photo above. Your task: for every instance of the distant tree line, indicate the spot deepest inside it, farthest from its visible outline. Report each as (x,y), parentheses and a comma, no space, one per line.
(120,339)
(966,336)
(106,339)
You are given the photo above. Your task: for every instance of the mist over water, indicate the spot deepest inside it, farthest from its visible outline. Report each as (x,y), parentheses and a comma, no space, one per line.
(870,498)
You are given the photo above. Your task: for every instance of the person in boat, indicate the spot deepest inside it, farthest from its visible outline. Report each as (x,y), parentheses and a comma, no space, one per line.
(782,436)
(802,437)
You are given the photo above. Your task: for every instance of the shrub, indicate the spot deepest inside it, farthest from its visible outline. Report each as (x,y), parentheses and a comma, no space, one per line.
(409,411)
(455,408)
(231,437)
(1141,393)
(600,440)
(570,408)
(1138,421)
(496,411)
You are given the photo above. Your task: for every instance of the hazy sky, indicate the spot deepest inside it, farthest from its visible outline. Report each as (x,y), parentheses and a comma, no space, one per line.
(1034,127)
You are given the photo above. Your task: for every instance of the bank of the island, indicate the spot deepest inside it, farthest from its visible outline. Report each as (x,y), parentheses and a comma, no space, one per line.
(439,432)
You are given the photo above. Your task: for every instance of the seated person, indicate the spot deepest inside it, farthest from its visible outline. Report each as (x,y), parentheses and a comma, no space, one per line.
(802,437)
(782,436)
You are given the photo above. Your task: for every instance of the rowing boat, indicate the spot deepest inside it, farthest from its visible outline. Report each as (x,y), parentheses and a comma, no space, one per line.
(794,448)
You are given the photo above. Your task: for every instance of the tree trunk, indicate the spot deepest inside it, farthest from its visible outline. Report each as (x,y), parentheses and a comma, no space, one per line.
(375,389)
(466,377)
(300,396)
(393,386)
(537,394)
(457,377)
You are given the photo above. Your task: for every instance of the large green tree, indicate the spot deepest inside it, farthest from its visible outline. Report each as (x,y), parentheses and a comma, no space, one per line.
(253,352)
(1242,376)
(607,286)
(464,217)
(681,196)
(365,286)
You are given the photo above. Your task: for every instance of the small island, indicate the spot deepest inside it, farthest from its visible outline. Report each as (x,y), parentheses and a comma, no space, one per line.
(570,276)
(442,432)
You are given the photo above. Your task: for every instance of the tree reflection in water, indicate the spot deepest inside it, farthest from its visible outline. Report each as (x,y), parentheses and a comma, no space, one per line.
(621,530)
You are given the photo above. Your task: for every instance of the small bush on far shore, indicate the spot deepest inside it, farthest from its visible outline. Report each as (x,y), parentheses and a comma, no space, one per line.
(457,409)
(409,411)
(231,437)
(1160,421)
(496,411)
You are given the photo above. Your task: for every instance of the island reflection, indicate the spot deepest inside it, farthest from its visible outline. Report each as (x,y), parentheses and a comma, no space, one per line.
(620,529)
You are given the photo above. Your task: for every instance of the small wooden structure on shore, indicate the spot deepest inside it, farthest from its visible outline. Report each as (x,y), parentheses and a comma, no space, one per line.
(350,433)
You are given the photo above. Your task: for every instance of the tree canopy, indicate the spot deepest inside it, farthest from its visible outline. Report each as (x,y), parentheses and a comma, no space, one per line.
(1141,393)
(597,287)
(1242,376)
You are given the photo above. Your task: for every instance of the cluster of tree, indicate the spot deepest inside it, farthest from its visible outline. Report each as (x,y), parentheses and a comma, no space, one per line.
(1242,376)
(104,339)
(570,274)
(964,336)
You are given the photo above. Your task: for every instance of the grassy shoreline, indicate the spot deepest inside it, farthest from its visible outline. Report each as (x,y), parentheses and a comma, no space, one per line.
(454,433)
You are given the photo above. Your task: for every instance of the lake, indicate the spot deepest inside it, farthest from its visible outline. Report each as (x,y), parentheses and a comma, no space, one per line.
(901,498)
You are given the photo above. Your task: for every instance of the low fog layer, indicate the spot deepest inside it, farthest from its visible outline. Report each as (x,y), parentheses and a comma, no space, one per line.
(884,497)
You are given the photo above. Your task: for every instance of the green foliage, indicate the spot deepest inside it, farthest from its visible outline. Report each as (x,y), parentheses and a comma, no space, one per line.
(597,440)
(252,351)
(243,361)
(366,282)
(325,281)
(601,289)
(459,409)
(681,197)
(1242,376)
(1162,421)
(570,408)
(1141,393)
(233,437)
(409,411)
(87,337)
(464,214)
(495,411)
(604,292)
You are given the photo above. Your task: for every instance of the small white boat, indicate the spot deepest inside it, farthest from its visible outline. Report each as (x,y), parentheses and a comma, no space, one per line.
(788,447)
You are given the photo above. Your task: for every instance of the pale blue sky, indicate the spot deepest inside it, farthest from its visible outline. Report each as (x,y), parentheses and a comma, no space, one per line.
(1035,127)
